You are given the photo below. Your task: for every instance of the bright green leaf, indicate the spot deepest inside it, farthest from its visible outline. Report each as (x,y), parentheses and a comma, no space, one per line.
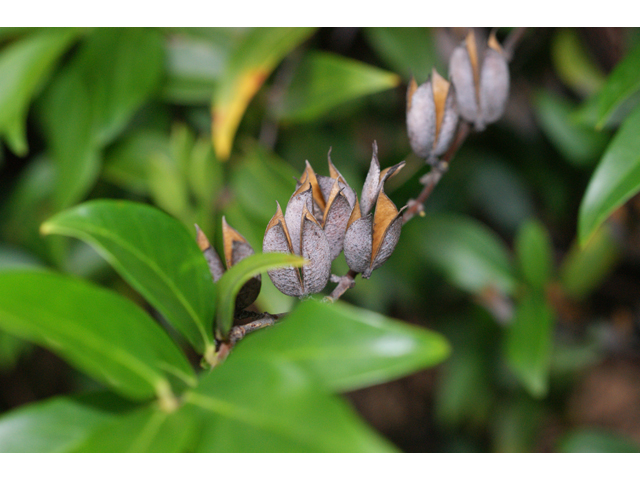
(616,179)
(529,342)
(155,254)
(58,424)
(597,441)
(249,65)
(255,406)
(324,80)
(24,66)
(470,255)
(535,254)
(97,331)
(346,347)
(144,430)
(586,267)
(234,278)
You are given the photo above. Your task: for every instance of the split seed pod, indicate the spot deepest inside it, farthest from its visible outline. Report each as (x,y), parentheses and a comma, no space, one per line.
(372,237)
(432,117)
(481,80)
(298,232)
(236,248)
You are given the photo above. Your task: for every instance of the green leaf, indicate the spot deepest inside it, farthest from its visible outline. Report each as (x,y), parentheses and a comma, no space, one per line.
(535,254)
(528,343)
(71,141)
(255,406)
(234,278)
(155,254)
(616,179)
(618,96)
(346,347)
(58,424)
(324,80)
(585,267)
(409,51)
(24,66)
(11,349)
(470,255)
(597,441)
(95,330)
(122,68)
(144,430)
(573,64)
(249,65)
(579,145)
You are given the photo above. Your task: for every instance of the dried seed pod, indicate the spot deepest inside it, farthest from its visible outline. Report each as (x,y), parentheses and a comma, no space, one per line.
(481,80)
(236,248)
(371,237)
(432,117)
(311,244)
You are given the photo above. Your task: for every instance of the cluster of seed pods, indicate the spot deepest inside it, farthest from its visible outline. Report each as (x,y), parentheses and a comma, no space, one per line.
(478,92)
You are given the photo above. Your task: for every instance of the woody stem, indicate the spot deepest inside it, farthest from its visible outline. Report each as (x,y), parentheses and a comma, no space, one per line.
(512,41)
(343,284)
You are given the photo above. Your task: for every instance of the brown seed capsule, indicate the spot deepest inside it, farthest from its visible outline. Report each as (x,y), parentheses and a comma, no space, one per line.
(481,80)
(371,237)
(432,117)
(236,248)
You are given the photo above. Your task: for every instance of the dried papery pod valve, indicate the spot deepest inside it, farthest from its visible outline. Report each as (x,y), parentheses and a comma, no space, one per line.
(373,230)
(432,117)
(236,248)
(481,80)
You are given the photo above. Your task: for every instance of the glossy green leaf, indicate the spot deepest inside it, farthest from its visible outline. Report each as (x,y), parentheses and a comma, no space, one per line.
(259,406)
(234,278)
(155,254)
(144,430)
(24,66)
(122,68)
(618,96)
(470,255)
(585,267)
(71,141)
(346,347)
(97,331)
(535,254)
(324,80)
(578,144)
(528,343)
(573,64)
(58,424)
(587,440)
(616,179)
(249,65)
(409,51)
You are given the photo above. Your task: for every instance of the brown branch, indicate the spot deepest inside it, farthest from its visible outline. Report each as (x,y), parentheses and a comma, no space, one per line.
(512,41)
(344,283)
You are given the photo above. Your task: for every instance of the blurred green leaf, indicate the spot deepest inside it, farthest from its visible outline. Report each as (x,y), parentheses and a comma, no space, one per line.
(470,255)
(58,424)
(155,254)
(167,186)
(616,179)
(255,406)
(409,51)
(205,173)
(596,441)
(586,267)
(122,68)
(11,349)
(249,65)
(518,425)
(144,430)
(579,145)
(12,258)
(573,63)
(234,278)
(71,141)
(528,343)
(100,333)
(535,254)
(346,347)
(324,80)
(24,66)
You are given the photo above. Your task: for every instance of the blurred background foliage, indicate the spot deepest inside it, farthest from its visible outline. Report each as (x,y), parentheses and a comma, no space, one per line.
(528,257)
